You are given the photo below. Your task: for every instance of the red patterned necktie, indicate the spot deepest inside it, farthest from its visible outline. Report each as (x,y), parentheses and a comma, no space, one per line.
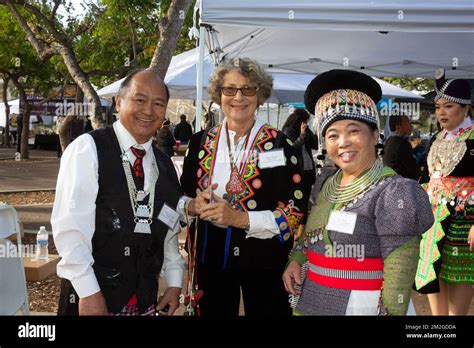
(138,165)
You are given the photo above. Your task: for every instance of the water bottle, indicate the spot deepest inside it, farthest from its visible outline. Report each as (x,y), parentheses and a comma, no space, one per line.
(42,244)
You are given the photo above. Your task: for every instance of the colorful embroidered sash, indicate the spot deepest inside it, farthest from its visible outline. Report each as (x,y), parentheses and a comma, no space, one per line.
(456,191)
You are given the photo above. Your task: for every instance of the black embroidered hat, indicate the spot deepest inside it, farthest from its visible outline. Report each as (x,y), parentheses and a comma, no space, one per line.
(453,90)
(342,94)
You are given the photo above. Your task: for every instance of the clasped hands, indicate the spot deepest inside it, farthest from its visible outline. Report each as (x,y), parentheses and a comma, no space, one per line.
(217,209)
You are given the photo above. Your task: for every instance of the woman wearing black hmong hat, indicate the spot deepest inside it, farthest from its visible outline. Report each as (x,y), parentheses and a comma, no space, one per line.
(446,265)
(361,242)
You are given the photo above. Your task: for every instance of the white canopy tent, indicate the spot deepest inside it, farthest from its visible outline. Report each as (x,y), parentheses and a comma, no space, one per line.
(288,87)
(180,78)
(403,38)
(14,109)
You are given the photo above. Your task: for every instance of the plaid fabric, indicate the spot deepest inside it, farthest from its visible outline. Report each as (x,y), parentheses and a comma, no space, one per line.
(131,309)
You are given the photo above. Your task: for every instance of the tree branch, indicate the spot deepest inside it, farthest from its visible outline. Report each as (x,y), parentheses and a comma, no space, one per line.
(82,28)
(55,8)
(60,37)
(44,53)
(170,28)
(134,34)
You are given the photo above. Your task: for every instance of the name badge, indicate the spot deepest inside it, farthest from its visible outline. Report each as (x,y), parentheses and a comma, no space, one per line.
(341,221)
(271,159)
(168,216)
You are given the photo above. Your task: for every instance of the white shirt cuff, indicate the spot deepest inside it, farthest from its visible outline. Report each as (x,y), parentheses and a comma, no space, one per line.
(174,278)
(86,285)
(181,209)
(262,225)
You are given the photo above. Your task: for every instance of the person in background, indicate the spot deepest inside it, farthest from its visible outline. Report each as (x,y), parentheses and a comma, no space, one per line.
(398,153)
(304,141)
(183,130)
(165,140)
(446,264)
(88,125)
(419,148)
(19,129)
(419,151)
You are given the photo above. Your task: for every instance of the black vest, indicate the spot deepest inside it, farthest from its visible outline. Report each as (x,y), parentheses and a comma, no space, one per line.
(128,262)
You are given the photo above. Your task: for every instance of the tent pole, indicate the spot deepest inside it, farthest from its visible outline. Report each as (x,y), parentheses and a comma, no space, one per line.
(268,112)
(199,78)
(278,117)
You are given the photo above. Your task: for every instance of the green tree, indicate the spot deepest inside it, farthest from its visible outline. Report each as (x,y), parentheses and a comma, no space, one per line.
(412,84)
(20,64)
(107,40)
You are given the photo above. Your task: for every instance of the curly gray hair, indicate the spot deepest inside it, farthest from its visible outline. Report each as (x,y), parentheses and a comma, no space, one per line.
(249,68)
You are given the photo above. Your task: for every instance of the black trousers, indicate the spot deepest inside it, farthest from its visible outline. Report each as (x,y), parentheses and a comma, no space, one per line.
(263,292)
(68,299)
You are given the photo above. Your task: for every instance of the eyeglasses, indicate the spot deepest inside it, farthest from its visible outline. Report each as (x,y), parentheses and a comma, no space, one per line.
(246,91)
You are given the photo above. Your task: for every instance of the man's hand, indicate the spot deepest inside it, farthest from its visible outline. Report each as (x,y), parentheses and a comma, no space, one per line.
(93,305)
(202,199)
(171,298)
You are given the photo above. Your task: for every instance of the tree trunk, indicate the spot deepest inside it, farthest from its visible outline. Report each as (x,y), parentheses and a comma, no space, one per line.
(170,28)
(63,125)
(25,133)
(6,79)
(78,75)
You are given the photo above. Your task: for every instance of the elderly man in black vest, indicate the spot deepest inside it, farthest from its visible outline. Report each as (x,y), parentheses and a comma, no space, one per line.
(114,219)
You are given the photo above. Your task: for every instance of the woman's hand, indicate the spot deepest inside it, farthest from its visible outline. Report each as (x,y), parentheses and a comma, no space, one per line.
(292,276)
(196,205)
(222,213)
(169,299)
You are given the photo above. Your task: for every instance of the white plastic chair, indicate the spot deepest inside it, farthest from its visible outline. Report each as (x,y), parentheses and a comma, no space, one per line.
(13,291)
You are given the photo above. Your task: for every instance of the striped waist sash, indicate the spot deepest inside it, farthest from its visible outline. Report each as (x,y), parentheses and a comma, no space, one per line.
(345,273)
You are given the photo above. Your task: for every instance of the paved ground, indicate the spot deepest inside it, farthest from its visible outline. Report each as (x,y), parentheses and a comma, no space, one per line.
(40,173)
(34,216)
(37,173)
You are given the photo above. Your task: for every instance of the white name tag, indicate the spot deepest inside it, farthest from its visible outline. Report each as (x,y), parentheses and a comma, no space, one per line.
(341,221)
(168,216)
(271,159)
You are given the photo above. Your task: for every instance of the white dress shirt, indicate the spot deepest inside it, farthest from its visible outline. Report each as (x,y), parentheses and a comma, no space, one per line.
(262,223)
(74,213)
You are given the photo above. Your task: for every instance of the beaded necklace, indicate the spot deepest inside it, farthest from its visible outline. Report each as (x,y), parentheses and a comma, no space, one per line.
(334,192)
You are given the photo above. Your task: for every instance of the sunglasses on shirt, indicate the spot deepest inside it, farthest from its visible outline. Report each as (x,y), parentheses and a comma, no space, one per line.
(247,91)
